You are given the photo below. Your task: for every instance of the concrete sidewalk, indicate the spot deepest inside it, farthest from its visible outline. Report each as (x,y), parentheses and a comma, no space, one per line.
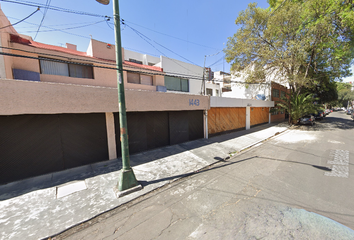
(43,206)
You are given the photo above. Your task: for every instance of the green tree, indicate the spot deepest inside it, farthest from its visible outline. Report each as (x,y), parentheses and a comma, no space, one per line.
(299,105)
(345,94)
(295,42)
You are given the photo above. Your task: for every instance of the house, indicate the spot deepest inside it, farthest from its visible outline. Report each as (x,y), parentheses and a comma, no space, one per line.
(179,76)
(59,106)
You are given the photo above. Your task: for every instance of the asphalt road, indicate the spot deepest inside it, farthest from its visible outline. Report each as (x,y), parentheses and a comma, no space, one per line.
(297,185)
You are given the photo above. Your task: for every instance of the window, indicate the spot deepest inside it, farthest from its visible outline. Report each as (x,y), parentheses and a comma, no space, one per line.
(217,92)
(282,94)
(177,84)
(66,69)
(135,61)
(209,91)
(139,78)
(275,93)
(274,111)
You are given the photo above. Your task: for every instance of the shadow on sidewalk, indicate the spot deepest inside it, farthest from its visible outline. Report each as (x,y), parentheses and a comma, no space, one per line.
(25,186)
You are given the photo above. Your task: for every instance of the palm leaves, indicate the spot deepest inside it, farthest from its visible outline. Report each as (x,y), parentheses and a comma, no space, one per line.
(299,105)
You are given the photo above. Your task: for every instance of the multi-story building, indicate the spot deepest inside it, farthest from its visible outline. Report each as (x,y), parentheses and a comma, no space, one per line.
(59,106)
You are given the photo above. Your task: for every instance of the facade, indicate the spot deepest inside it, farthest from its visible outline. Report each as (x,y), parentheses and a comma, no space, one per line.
(278,91)
(179,76)
(235,87)
(59,106)
(230,114)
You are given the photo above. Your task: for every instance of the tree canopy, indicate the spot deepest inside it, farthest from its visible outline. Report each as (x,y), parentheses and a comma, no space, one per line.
(299,42)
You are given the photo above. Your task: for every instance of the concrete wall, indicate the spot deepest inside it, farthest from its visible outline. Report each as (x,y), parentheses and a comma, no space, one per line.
(102,50)
(249,91)
(146,59)
(27,97)
(179,68)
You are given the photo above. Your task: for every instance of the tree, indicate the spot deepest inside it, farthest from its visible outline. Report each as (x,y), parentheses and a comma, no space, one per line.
(345,93)
(296,42)
(299,105)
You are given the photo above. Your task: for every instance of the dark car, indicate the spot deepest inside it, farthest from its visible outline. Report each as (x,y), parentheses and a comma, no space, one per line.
(308,120)
(320,114)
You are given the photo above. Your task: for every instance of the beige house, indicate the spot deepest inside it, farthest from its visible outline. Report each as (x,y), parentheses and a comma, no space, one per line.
(58,106)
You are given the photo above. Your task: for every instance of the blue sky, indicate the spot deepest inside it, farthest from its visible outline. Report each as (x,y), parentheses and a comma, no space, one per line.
(185,30)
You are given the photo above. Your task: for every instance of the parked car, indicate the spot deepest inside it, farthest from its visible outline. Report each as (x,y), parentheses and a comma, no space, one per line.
(308,119)
(320,114)
(349,111)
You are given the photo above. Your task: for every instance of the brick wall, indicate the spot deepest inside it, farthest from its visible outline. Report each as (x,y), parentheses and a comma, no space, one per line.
(276,91)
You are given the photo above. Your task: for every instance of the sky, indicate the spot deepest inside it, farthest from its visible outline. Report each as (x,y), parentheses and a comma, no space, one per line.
(186,30)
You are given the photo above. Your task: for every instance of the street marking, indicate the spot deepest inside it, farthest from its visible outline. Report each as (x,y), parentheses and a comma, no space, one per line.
(340,162)
(337,142)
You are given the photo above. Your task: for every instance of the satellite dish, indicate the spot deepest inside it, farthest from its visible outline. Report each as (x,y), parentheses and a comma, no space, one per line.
(105,2)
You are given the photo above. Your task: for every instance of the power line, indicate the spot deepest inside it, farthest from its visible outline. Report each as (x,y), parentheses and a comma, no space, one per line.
(171,36)
(171,74)
(216,61)
(142,36)
(53,30)
(21,19)
(34,4)
(44,14)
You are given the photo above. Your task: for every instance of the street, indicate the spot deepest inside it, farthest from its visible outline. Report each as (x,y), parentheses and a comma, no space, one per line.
(289,187)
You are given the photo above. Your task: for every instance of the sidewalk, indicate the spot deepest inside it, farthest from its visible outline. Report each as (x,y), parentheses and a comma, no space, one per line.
(39,207)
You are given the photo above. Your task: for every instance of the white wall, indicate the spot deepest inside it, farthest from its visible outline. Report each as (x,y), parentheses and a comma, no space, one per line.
(140,57)
(241,90)
(186,70)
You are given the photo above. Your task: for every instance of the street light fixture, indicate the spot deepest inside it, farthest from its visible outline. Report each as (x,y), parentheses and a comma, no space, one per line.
(127,182)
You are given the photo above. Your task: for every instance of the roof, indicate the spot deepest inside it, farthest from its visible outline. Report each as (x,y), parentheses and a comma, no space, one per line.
(18,39)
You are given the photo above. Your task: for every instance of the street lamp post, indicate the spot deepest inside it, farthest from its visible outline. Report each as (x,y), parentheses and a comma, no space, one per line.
(127,182)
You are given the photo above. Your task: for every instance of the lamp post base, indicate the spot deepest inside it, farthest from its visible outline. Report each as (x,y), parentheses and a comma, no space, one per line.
(127,183)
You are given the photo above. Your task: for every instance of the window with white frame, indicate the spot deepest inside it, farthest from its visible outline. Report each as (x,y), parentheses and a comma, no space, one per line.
(209,91)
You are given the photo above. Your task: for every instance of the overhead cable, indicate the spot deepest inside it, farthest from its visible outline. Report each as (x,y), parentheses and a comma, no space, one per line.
(21,19)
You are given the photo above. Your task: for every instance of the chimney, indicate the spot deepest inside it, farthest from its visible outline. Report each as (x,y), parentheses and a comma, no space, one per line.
(71,46)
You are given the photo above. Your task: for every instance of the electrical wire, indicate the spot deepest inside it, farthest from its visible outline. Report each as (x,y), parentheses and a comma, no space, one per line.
(44,14)
(34,4)
(216,61)
(171,36)
(142,36)
(21,20)
(171,74)
(53,30)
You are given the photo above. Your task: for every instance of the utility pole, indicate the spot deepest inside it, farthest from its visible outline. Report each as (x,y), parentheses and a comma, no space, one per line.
(203,84)
(127,182)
